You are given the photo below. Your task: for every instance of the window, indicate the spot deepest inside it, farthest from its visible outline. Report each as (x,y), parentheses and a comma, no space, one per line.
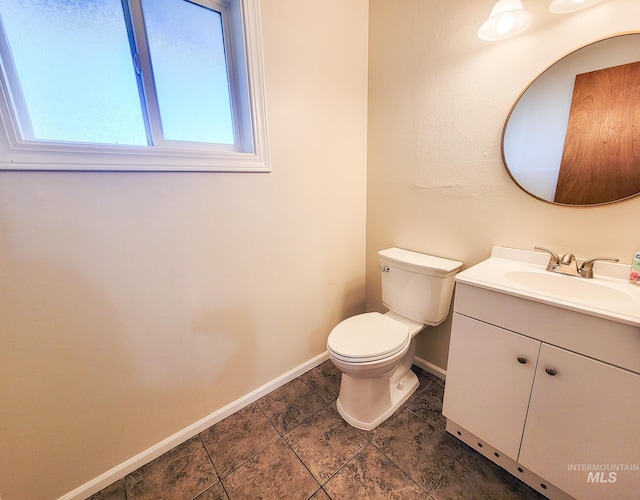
(131,84)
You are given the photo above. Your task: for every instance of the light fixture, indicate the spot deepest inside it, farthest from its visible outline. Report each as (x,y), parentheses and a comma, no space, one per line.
(507,18)
(564,6)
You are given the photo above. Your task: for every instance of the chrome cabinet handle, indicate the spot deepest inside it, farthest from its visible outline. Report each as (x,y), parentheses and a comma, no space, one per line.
(522,360)
(550,370)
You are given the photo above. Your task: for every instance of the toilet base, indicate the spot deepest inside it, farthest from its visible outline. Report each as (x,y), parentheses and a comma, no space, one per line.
(369,404)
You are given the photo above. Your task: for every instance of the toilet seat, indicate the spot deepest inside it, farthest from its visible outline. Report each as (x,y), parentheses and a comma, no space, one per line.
(368,337)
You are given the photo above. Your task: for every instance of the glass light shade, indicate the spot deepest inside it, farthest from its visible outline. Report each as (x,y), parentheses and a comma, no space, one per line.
(564,6)
(507,18)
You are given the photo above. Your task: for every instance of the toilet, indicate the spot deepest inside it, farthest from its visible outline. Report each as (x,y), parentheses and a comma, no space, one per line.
(374,351)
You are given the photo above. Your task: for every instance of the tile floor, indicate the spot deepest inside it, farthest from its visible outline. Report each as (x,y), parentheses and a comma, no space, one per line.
(293,444)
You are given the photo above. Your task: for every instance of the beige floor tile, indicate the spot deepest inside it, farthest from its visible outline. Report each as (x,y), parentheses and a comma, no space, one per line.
(372,475)
(182,473)
(216,492)
(320,495)
(417,447)
(472,476)
(428,405)
(275,472)
(325,442)
(289,405)
(237,438)
(324,379)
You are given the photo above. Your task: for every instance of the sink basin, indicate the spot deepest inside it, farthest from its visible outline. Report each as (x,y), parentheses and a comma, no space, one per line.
(567,286)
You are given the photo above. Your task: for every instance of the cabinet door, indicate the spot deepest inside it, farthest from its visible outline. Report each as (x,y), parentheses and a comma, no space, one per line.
(489,377)
(583,427)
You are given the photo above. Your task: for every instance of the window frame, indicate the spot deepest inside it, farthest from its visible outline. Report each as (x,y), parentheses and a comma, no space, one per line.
(250,154)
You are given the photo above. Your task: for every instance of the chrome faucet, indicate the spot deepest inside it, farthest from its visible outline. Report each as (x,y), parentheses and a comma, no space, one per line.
(567,264)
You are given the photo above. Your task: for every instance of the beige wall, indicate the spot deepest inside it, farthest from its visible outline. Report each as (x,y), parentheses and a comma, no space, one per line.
(438,98)
(134,304)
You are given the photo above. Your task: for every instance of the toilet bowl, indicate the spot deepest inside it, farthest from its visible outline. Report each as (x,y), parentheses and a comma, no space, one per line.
(376,371)
(374,351)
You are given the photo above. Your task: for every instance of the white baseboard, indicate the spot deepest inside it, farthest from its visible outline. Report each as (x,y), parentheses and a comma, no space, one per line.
(143,458)
(430,367)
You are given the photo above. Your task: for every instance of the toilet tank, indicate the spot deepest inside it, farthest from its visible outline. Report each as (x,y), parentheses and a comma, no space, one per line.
(417,286)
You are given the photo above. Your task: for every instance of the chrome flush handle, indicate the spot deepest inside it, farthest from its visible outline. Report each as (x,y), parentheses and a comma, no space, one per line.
(384,269)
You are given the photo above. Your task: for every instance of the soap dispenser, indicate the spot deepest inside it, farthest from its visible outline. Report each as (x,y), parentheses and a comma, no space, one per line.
(634,275)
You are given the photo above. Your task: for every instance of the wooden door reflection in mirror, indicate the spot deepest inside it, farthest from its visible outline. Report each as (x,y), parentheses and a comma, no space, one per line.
(601,156)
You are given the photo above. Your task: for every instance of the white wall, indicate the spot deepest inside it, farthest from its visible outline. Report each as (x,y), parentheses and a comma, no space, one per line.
(134,304)
(438,98)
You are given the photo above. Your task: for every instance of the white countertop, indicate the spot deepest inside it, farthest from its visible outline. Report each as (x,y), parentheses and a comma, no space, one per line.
(608,295)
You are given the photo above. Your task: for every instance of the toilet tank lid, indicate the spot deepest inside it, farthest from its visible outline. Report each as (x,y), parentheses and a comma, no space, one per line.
(419,262)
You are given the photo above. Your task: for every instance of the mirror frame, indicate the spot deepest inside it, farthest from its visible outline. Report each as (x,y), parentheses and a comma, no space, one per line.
(517,101)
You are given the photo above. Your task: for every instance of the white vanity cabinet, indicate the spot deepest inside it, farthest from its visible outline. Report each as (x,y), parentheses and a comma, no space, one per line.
(585,412)
(487,388)
(551,395)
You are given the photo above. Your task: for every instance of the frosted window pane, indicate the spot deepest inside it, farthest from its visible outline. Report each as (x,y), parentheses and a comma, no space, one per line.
(74,65)
(190,72)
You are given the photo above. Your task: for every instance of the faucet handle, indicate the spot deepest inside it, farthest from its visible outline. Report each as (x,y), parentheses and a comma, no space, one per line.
(586,270)
(554,260)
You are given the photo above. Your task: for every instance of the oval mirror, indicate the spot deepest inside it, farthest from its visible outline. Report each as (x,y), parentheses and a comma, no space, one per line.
(573,135)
